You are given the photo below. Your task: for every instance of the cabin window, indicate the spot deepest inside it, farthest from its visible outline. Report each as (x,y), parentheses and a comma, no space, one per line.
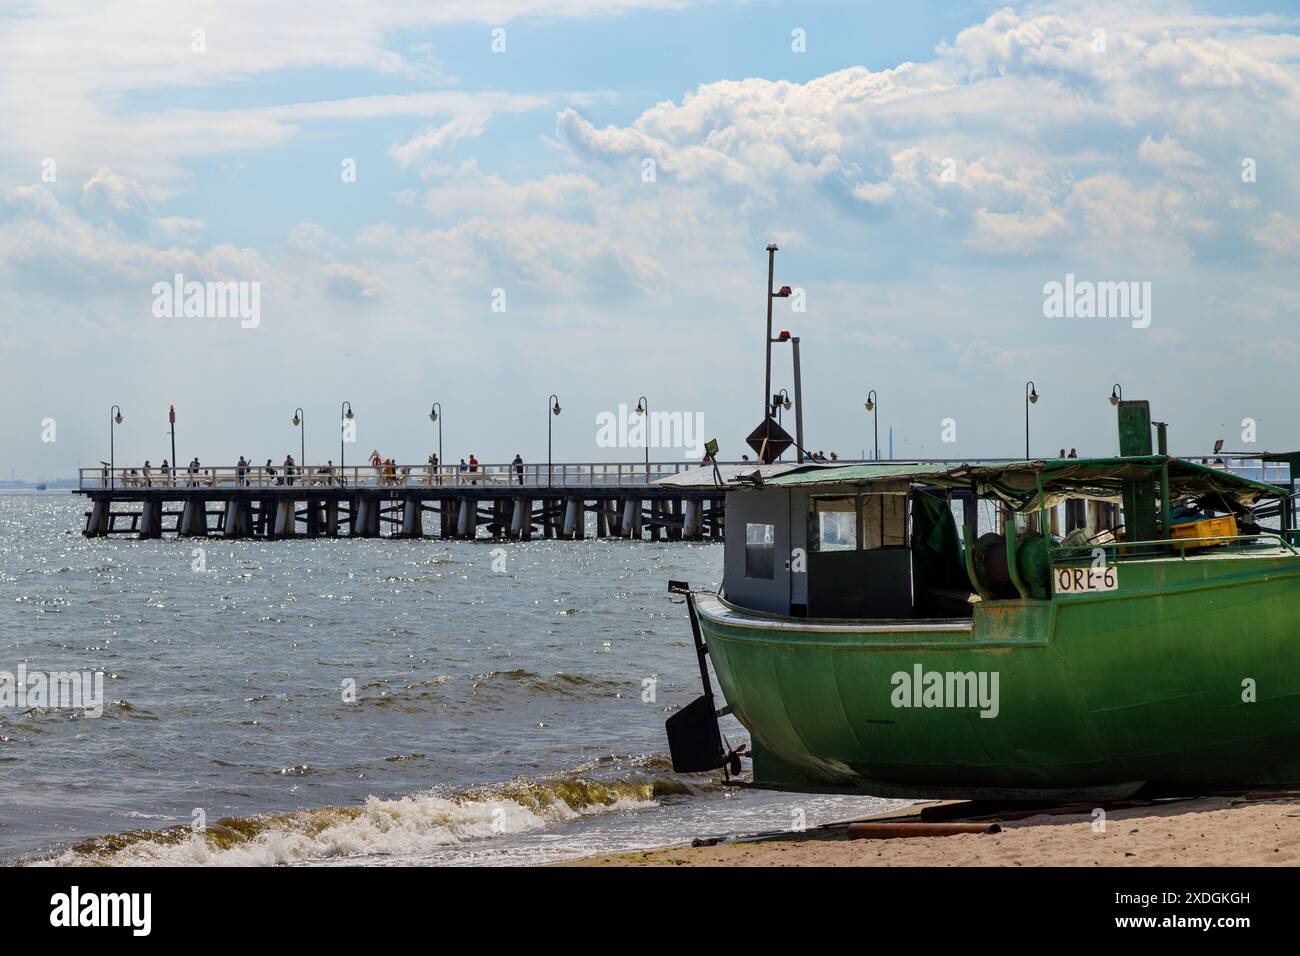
(884,521)
(833,524)
(760,551)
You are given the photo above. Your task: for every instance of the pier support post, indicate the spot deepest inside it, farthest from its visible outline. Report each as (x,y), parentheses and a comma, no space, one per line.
(631,517)
(194,519)
(151,518)
(570,518)
(239,518)
(97,524)
(412,518)
(693,521)
(315,518)
(332,518)
(467,523)
(286,519)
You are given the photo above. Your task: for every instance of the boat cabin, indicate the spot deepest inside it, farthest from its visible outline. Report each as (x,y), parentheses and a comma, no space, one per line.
(927,540)
(825,543)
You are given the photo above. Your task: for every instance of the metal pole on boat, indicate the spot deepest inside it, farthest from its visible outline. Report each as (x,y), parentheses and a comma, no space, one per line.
(782,293)
(771,272)
(1162,447)
(798,403)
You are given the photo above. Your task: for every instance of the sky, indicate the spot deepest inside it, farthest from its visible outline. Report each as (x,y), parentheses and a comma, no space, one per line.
(481,204)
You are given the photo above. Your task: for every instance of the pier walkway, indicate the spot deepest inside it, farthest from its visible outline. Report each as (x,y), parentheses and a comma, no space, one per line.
(563,500)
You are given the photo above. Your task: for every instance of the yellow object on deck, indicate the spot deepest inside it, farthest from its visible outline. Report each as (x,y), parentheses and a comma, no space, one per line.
(1223,527)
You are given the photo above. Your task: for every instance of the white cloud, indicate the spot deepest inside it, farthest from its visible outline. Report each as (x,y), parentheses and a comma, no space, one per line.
(350,282)
(1167,152)
(1005,142)
(434,139)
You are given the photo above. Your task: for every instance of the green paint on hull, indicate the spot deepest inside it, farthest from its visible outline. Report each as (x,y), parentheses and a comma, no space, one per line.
(1098,694)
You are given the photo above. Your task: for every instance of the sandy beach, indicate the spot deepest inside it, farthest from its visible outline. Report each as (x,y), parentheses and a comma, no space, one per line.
(1216,831)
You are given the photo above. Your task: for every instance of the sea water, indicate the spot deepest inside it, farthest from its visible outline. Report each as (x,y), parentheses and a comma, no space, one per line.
(357,701)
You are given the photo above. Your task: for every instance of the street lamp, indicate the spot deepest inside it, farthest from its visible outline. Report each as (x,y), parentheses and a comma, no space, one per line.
(1116,395)
(435,415)
(643,408)
(345,413)
(1031,398)
(114,419)
(873,406)
(552,406)
(783,293)
(300,419)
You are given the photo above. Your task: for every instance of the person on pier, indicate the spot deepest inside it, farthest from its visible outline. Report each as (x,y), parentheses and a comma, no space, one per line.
(288,469)
(433,468)
(165,472)
(270,472)
(519,467)
(241,471)
(148,483)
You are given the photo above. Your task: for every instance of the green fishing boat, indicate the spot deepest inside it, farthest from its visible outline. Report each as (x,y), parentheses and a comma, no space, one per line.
(1126,624)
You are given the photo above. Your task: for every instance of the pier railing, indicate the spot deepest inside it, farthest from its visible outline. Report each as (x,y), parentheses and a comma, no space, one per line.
(558,474)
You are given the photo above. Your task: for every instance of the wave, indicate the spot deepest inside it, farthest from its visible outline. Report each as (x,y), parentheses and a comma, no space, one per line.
(381,827)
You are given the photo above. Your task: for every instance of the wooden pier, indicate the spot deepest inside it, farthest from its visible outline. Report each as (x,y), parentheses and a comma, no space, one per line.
(494,502)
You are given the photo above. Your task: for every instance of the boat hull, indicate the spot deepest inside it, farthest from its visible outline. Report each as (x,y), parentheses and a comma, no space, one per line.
(1185,679)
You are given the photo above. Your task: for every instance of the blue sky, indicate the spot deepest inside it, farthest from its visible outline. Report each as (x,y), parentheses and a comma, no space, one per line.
(926,168)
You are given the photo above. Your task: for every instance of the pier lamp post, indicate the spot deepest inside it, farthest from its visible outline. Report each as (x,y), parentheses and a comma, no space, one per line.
(782,293)
(873,406)
(643,408)
(300,419)
(114,419)
(345,412)
(1031,398)
(435,415)
(1116,395)
(553,408)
